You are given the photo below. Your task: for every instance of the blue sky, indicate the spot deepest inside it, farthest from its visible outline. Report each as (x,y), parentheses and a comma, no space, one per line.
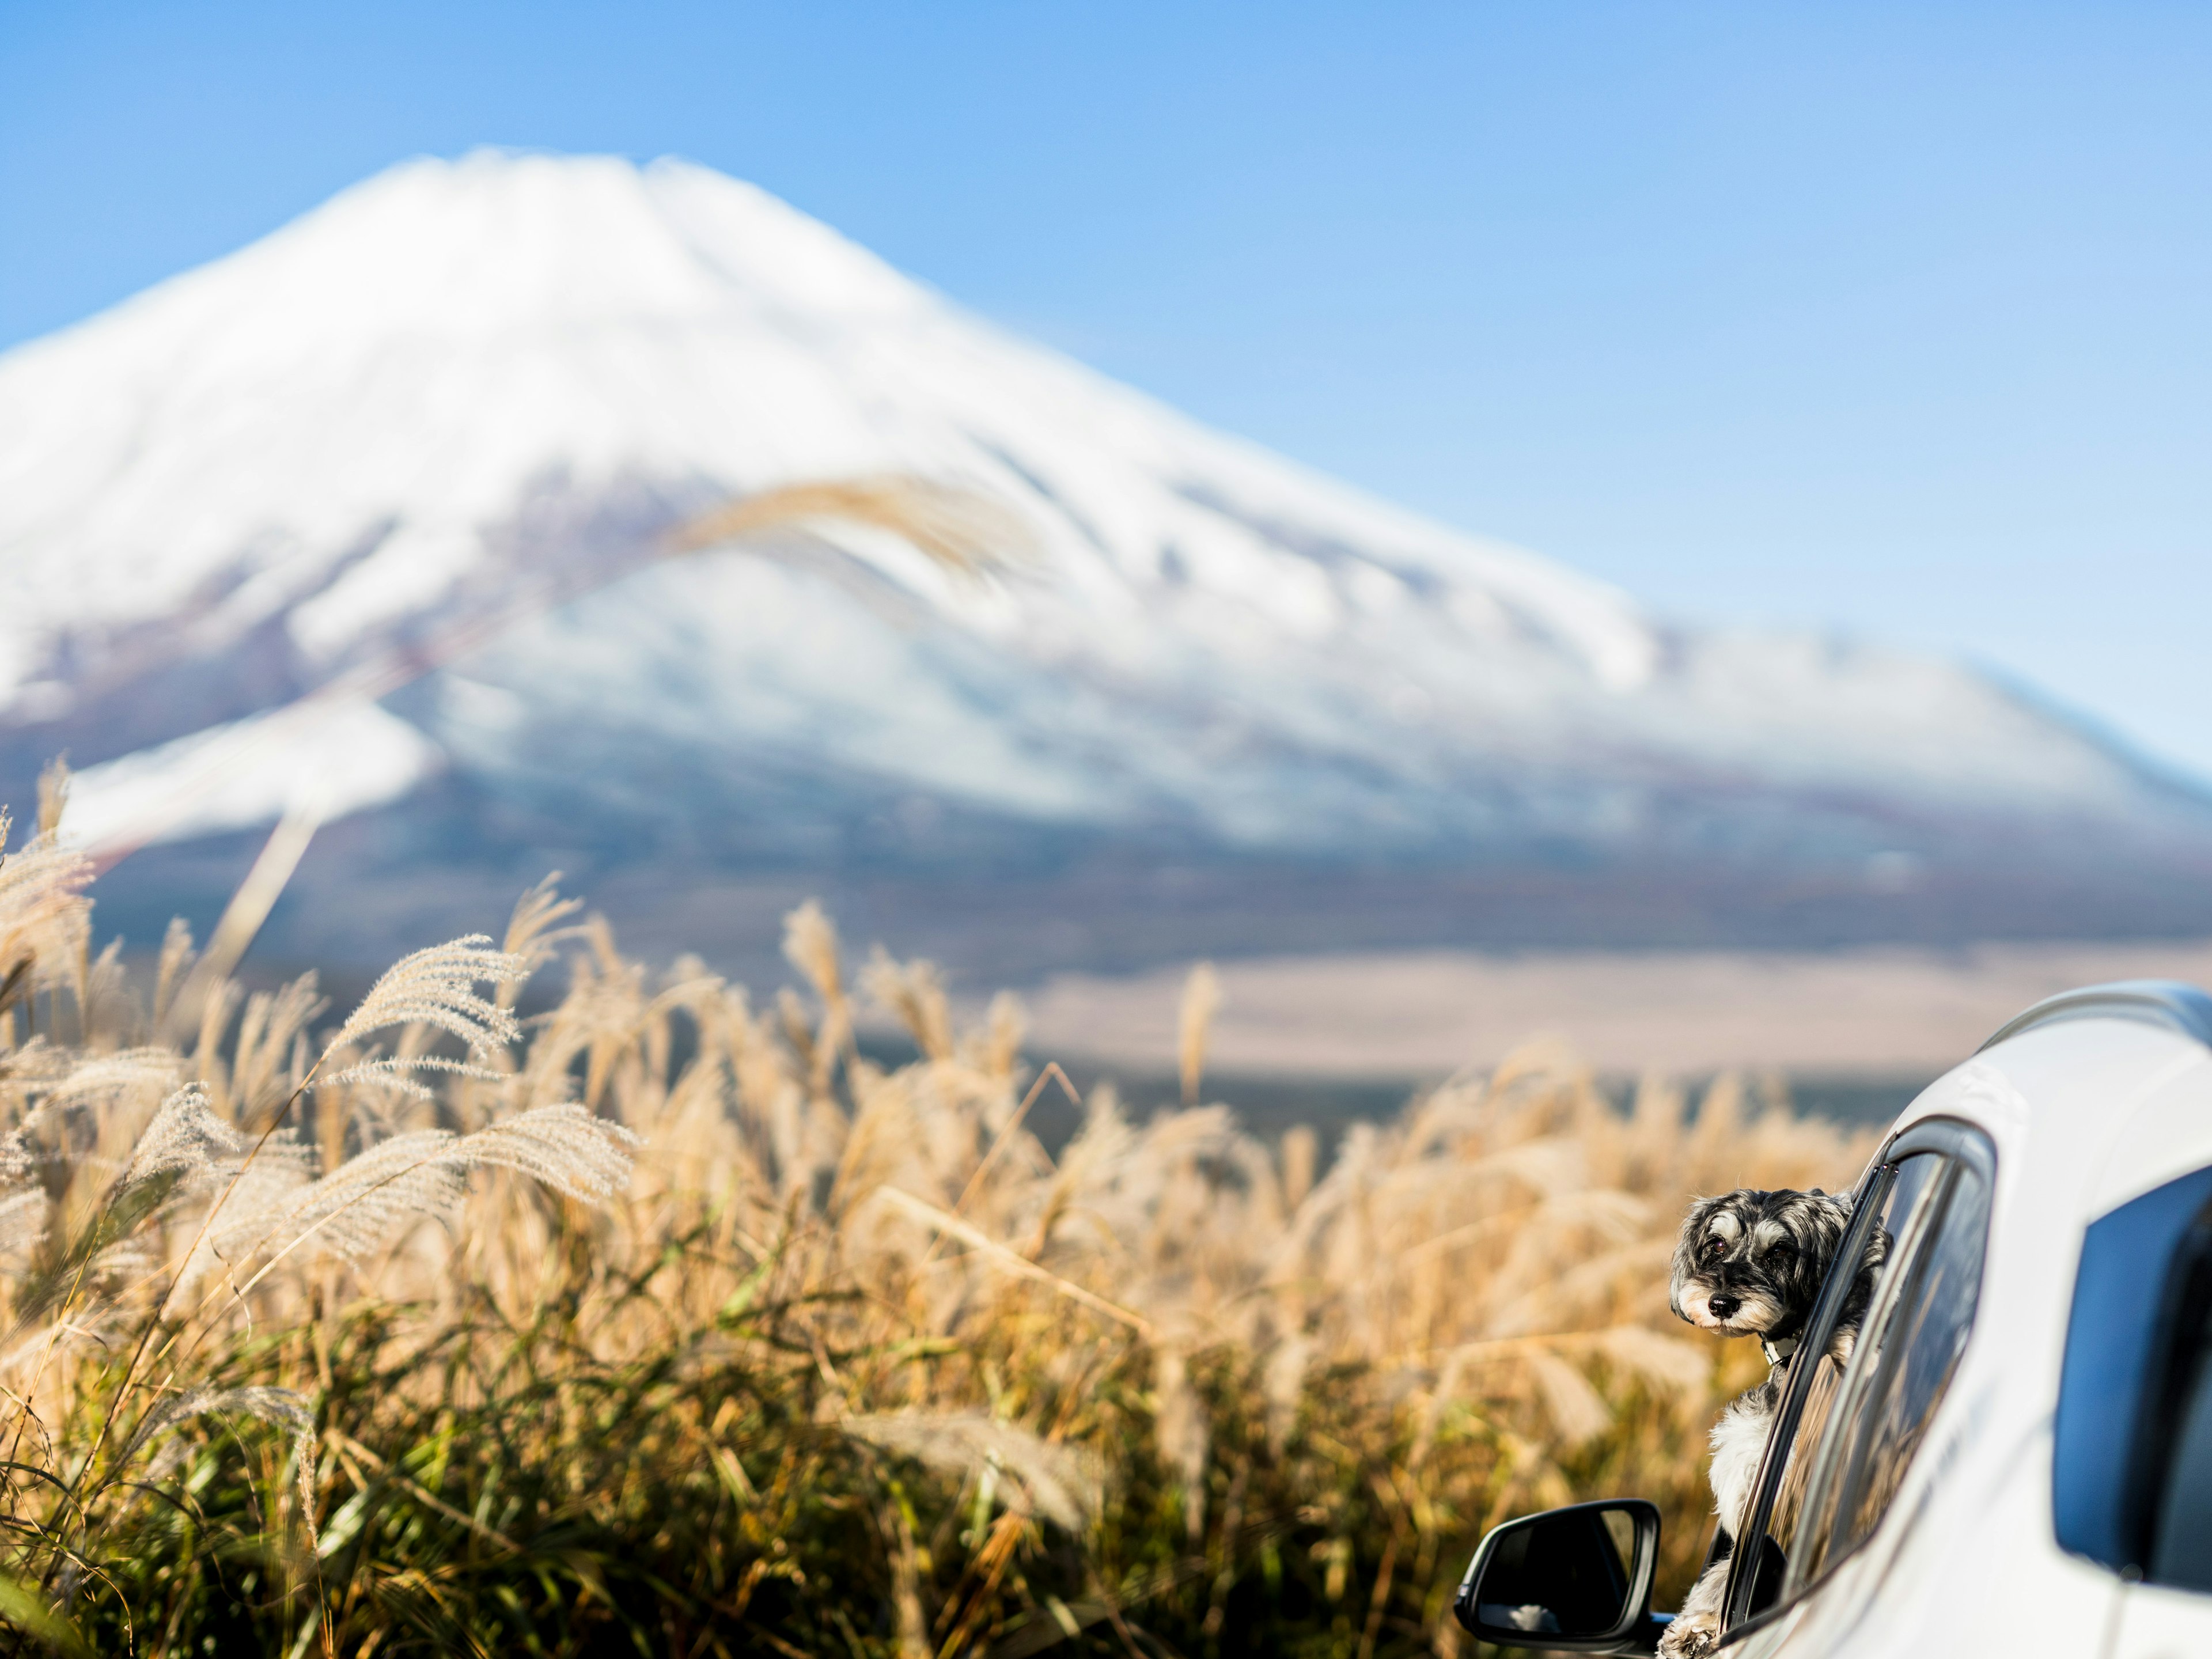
(1888,318)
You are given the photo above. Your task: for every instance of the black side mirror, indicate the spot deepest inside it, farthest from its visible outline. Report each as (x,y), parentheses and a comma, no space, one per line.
(1576,1580)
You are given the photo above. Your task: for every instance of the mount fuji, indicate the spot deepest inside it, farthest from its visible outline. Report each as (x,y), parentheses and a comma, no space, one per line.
(1209,702)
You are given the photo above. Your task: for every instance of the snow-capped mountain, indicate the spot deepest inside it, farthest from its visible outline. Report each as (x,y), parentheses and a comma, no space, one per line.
(367,439)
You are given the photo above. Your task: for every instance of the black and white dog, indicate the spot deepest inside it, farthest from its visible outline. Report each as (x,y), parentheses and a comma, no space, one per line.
(1752,1264)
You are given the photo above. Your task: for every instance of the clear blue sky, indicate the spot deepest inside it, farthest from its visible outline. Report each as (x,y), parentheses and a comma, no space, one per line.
(1892,319)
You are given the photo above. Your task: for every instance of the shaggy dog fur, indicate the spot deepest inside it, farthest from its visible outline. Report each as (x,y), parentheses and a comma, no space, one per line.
(1752,1264)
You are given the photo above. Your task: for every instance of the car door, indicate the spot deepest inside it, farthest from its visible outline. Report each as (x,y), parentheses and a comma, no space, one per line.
(1842,1448)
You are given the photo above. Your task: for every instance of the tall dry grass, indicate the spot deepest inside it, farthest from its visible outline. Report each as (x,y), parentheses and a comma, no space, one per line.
(360,1342)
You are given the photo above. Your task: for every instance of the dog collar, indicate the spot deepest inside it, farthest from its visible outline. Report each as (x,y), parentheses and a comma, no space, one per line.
(1778,1352)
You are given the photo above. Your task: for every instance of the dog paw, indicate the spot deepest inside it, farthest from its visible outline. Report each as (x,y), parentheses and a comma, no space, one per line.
(1689,1638)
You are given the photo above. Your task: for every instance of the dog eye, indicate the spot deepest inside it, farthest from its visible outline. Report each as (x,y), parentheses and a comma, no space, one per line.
(1716,1247)
(1781,1247)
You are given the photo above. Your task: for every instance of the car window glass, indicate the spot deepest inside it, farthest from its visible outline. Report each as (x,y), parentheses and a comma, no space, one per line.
(2131,1439)
(1908,1196)
(2174,1421)
(2182,1553)
(1915,1332)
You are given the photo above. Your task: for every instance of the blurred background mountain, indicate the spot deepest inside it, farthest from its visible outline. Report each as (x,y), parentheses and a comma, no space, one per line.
(527,511)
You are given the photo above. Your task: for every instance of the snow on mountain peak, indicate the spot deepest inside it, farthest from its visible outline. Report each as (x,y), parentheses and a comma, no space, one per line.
(404,362)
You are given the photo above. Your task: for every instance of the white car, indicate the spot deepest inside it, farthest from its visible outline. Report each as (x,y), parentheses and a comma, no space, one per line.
(2018,1457)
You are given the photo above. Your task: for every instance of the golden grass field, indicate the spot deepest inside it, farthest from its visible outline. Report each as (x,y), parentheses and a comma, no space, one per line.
(663,1322)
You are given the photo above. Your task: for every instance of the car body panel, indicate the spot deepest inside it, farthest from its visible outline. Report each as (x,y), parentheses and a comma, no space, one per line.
(2084,1114)
(2167,1135)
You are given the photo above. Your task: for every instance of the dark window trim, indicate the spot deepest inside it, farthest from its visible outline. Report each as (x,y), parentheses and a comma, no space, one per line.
(1950,1137)
(2166,1002)
(1963,1140)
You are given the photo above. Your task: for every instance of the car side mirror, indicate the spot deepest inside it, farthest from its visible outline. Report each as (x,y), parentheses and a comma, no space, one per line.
(1575,1580)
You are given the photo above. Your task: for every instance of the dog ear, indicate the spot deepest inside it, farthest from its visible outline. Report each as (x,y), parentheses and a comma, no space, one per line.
(1815,1191)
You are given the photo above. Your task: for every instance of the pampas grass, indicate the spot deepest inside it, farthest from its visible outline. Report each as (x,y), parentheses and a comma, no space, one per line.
(666,1321)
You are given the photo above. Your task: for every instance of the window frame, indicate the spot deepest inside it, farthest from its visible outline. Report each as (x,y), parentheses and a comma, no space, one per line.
(1840,1464)
(1961,1143)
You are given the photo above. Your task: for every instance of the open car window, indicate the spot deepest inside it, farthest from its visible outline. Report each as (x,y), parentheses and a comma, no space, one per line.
(1845,1436)
(1913,1337)
(1903,1216)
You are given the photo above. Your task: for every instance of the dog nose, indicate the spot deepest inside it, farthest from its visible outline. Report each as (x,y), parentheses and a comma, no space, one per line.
(1723,1306)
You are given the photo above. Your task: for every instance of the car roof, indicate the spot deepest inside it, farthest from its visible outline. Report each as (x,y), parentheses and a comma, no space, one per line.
(2166,1002)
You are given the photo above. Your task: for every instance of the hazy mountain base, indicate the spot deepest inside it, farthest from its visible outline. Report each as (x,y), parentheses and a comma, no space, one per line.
(1030,904)
(855,1366)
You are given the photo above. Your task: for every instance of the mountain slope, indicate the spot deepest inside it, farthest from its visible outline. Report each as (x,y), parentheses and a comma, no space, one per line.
(461,384)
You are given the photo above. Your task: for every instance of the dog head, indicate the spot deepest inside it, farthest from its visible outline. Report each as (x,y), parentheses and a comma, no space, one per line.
(1750,1263)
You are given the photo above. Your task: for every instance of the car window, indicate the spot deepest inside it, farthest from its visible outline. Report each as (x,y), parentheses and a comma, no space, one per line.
(2181,1536)
(1908,1197)
(2131,1476)
(1909,1348)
